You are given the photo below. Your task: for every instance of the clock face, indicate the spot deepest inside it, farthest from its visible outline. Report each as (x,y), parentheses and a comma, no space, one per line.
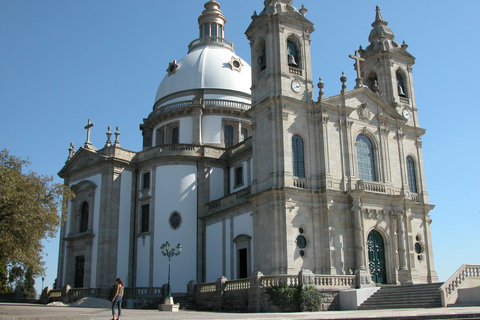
(296,86)
(406,113)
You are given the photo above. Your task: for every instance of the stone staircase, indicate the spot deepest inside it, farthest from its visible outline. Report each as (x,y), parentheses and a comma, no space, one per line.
(400,297)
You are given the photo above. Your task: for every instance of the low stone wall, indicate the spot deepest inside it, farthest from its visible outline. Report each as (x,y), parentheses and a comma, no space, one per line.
(243,295)
(134,298)
(249,295)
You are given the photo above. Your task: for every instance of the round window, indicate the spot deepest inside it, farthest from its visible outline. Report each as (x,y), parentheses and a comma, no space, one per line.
(301,242)
(175,220)
(418,248)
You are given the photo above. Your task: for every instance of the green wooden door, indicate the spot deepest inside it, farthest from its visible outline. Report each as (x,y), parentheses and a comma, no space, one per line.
(376,257)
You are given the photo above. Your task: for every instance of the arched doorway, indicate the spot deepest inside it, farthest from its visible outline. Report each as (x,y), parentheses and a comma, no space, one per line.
(376,257)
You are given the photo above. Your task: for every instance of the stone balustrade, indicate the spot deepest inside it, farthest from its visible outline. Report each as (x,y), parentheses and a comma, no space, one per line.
(371,186)
(467,276)
(222,295)
(250,294)
(228,201)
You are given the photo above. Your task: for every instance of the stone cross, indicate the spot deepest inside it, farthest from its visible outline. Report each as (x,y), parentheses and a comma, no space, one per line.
(357,59)
(88,126)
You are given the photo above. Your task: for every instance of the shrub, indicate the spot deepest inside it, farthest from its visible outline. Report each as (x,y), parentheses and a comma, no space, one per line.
(294,299)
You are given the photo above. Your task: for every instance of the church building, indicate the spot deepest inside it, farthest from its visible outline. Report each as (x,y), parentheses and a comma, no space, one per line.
(244,168)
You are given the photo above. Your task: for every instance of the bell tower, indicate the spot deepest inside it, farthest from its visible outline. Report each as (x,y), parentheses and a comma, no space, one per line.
(281,79)
(387,69)
(282,90)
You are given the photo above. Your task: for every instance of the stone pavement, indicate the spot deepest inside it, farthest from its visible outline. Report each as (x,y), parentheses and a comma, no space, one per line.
(12,311)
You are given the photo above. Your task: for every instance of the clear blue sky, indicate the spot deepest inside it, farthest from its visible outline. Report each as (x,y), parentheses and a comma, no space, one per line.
(63,62)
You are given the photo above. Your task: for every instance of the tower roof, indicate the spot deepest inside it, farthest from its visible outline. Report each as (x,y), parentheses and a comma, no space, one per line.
(381,37)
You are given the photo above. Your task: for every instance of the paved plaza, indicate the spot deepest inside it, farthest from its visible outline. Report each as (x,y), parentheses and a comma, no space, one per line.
(13,311)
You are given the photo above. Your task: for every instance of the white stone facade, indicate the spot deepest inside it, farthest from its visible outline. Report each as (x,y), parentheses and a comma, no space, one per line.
(268,180)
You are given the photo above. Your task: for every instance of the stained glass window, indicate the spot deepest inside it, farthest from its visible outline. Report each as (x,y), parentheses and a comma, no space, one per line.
(298,160)
(412,178)
(365,158)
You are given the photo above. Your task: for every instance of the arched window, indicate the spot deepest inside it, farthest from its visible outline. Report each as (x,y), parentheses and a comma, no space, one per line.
(228,135)
(412,177)
(293,54)
(298,162)
(401,85)
(84,217)
(365,158)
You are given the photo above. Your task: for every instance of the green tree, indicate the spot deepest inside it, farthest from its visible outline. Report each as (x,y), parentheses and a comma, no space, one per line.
(31,209)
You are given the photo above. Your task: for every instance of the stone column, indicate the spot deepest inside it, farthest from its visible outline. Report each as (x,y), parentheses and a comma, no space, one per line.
(403,274)
(362,275)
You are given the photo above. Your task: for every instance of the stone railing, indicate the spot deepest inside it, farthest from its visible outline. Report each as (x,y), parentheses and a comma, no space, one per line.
(190,150)
(335,281)
(242,284)
(228,201)
(296,71)
(239,147)
(404,100)
(371,186)
(250,294)
(466,277)
(134,297)
(210,40)
(227,103)
(300,183)
(280,280)
(206,287)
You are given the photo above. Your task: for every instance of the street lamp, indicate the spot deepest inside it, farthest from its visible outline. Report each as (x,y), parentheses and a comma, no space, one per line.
(168,251)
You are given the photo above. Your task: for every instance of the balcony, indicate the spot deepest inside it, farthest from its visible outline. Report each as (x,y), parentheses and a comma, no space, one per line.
(229,201)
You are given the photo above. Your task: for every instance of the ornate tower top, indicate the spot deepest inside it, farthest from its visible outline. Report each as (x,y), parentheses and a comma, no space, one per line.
(278,6)
(212,27)
(212,20)
(381,37)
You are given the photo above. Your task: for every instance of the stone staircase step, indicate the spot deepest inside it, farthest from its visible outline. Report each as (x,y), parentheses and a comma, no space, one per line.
(411,296)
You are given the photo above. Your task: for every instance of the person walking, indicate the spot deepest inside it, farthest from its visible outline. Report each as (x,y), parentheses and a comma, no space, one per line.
(117,298)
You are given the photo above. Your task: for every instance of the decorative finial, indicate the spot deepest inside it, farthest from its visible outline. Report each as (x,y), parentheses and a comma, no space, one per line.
(109,134)
(404,45)
(88,144)
(117,142)
(320,86)
(71,151)
(254,14)
(360,50)
(343,79)
(303,10)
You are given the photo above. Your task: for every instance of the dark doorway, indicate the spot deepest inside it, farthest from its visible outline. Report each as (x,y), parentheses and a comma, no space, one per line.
(376,257)
(79,270)
(242,264)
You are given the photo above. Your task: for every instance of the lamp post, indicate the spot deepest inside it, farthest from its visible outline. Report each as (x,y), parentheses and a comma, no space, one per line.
(168,251)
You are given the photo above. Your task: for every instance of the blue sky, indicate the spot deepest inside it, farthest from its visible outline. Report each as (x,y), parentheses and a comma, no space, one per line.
(63,62)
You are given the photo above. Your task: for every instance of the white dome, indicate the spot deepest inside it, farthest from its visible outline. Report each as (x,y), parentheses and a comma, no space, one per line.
(207,67)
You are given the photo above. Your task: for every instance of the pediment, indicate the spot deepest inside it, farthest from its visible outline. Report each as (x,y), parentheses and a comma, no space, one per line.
(83,158)
(364,105)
